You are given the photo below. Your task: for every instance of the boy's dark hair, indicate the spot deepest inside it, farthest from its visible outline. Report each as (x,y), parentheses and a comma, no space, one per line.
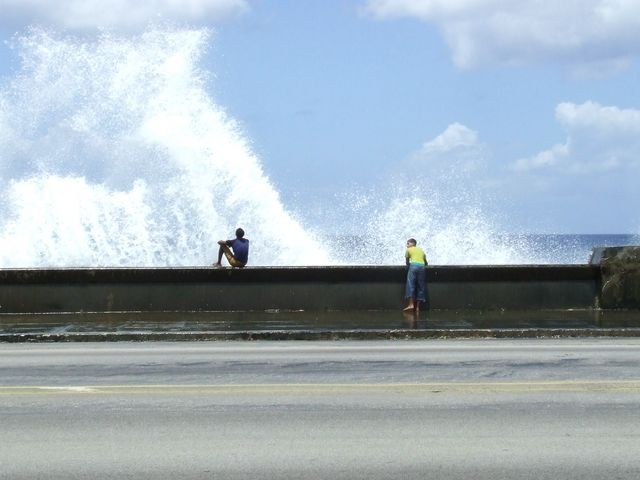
(239,233)
(412,240)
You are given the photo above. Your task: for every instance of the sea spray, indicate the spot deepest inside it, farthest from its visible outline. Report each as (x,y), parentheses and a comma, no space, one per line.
(112,153)
(435,195)
(453,228)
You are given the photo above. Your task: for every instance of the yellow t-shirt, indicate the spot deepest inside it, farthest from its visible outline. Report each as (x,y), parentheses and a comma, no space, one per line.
(416,255)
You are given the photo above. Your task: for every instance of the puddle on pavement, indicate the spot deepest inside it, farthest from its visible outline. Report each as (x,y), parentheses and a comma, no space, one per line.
(144,322)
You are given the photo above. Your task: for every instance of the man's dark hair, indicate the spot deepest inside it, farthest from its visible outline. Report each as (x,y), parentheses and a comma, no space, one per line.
(239,233)
(412,240)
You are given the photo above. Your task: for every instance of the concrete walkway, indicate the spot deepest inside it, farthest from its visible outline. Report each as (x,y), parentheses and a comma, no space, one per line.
(315,325)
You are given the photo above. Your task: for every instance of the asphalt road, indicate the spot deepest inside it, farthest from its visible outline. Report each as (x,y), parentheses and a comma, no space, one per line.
(499,409)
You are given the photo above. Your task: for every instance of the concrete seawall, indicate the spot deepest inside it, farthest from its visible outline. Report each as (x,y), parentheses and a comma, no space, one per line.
(611,280)
(296,288)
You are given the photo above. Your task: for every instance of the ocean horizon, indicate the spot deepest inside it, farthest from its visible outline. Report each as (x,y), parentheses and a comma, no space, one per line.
(497,249)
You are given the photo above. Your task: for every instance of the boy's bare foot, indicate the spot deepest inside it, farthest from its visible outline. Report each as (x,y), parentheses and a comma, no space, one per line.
(217,265)
(407,308)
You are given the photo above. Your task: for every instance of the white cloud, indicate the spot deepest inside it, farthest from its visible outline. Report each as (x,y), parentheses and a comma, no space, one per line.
(456,150)
(599,139)
(547,158)
(456,136)
(603,34)
(611,121)
(116,14)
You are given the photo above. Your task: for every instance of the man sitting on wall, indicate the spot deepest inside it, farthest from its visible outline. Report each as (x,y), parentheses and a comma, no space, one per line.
(236,251)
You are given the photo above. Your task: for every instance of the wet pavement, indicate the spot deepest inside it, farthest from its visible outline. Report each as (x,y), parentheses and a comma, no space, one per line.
(122,324)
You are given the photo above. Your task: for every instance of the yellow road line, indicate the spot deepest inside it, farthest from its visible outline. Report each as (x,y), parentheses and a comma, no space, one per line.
(619,386)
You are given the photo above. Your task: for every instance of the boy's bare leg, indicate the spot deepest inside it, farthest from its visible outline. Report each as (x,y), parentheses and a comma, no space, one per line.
(226,251)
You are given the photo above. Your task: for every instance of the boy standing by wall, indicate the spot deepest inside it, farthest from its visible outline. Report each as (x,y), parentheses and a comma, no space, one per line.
(416,290)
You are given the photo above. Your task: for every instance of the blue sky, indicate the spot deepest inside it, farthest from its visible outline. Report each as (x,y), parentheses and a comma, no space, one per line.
(531,105)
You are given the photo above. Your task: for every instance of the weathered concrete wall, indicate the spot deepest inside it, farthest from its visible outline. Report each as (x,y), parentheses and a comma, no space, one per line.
(620,269)
(295,288)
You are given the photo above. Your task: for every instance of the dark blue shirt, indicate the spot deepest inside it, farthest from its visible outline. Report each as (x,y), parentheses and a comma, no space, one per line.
(240,247)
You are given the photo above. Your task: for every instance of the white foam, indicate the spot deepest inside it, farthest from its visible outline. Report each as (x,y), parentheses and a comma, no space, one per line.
(113,153)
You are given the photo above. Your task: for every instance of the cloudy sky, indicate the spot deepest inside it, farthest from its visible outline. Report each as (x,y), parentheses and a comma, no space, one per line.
(533,103)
